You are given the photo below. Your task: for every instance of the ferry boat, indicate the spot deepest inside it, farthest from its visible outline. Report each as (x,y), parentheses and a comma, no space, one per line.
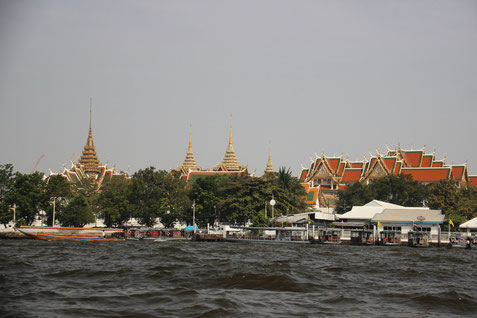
(67,237)
(362,237)
(460,241)
(328,236)
(389,237)
(418,238)
(294,235)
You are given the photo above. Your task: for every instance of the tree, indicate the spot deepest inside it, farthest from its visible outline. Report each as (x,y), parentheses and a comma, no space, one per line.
(77,213)
(59,189)
(6,183)
(158,194)
(401,190)
(113,202)
(28,195)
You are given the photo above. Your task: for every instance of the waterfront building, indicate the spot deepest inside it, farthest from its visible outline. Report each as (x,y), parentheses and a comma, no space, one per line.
(326,175)
(88,168)
(469,226)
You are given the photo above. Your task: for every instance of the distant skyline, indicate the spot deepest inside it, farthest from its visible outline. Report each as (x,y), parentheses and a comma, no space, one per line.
(339,77)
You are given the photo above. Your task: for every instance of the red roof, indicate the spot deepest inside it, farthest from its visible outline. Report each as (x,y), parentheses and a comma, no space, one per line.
(304,174)
(427,174)
(437,164)
(356,164)
(458,172)
(334,163)
(413,158)
(389,163)
(351,175)
(426,161)
(473,180)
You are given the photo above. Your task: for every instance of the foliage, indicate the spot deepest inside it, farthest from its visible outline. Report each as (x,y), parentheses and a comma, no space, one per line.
(59,189)
(241,199)
(113,202)
(158,194)
(28,195)
(6,183)
(77,213)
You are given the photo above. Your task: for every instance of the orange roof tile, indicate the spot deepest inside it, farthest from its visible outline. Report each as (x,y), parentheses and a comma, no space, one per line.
(304,174)
(473,180)
(390,162)
(427,174)
(334,163)
(437,164)
(413,158)
(426,161)
(351,175)
(458,172)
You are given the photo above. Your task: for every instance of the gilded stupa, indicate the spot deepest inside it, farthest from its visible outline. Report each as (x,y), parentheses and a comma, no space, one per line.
(230,161)
(269,168)
(189,161)
(89,159)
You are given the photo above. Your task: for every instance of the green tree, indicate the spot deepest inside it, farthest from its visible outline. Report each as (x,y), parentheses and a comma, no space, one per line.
(77,213)
(28,195)
(401,190)
(6,184)
(158,194)
(113,202)
(58,188)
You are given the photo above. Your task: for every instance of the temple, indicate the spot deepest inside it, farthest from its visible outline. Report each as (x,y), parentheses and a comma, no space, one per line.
(88,167)
(269,167)
(326,175)
(229,165)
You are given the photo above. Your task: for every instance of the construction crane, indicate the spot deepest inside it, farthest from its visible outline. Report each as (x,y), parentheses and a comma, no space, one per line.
(36,163)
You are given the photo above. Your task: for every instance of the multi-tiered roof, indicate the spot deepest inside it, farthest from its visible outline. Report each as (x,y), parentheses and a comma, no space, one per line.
(328,174)
(230,161)
(89,159)
(189,163)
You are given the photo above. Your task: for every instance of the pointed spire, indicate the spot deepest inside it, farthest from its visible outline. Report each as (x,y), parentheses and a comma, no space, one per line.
(89,158)
(269,168)
(230,161)
(189,161)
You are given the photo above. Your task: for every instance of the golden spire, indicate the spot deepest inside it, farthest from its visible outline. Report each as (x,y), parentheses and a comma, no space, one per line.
(269,168)
(89,159)
(230,162)
(189,161)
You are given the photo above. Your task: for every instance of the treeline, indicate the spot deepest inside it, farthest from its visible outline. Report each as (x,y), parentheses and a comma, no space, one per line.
(149,195)
(458,203)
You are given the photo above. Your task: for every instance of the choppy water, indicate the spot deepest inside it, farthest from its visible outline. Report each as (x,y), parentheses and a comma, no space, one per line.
(198,279)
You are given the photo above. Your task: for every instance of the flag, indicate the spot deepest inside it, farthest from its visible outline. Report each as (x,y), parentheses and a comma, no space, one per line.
(451,223)
(379,224)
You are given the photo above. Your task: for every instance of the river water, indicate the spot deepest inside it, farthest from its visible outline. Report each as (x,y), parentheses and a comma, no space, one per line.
(199,279)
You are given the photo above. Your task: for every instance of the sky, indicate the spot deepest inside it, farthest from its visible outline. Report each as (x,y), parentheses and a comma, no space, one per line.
(298,77)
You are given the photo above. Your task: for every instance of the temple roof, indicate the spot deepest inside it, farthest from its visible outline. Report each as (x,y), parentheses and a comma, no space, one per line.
(230,161)
(189,161)
(269,168)
(89,158)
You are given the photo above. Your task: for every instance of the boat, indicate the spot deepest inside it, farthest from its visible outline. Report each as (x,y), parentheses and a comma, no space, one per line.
(418,238)
(66,237)
(362,237)
(389,238)
(293,235)
(152,234)
(460,241)
(327,236)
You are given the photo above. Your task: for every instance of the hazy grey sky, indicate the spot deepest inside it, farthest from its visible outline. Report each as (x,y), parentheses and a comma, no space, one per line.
(311,76)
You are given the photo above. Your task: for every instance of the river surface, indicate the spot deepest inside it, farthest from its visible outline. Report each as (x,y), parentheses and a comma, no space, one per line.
(199,279)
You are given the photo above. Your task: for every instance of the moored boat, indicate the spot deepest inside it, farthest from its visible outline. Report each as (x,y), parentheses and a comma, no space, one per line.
(418,238)
(267,235)
(389,238)
(66,237)
(327,236)
(460,241)
(362,237)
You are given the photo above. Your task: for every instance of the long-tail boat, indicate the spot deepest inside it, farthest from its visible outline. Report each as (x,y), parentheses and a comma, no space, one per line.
(67,237)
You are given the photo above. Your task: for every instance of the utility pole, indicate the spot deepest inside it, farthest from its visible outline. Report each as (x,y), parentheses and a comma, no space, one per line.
(53,221)
(14,208)
(193,216)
